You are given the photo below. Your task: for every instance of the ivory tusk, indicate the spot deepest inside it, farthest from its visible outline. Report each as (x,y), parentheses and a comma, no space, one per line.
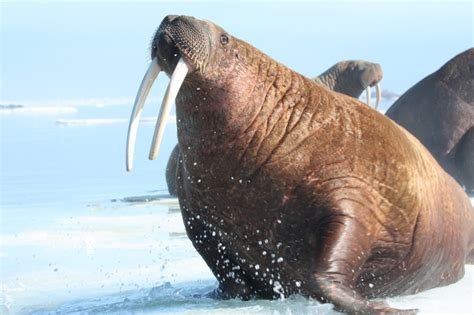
(145,86)
(379,95)
(177,78)
(367,92)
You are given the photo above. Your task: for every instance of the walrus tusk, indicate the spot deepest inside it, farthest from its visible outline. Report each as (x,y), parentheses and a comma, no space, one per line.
(379,95)
(176,81)
(147,82)
(367,92)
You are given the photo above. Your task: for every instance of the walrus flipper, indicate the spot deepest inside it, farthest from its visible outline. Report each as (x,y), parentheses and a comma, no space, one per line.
(347,246)
(171,171)
(464,161)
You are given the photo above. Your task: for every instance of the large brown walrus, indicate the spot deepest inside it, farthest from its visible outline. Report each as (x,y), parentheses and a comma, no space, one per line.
(350,77)
(439,111)
(288,188)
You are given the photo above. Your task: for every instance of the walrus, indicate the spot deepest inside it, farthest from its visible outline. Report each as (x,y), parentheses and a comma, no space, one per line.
(439,111)
(350,77)
(288,188)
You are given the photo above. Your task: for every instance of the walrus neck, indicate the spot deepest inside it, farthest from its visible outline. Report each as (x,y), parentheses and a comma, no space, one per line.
(239,121)
(337,79)
(222,109)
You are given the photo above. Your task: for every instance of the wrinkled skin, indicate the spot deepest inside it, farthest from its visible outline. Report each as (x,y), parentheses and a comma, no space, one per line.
(350,77)
(439,111)
(286,187)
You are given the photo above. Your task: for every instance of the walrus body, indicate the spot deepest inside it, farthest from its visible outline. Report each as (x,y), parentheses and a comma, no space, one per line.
(350,77)
(286,187)
(439,111)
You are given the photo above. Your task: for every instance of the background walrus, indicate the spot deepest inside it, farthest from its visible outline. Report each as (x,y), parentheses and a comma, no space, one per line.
(439,111)
(350,77)
(286,187)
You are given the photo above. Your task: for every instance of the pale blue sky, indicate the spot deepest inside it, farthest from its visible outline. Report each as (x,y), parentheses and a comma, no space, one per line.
(52,51)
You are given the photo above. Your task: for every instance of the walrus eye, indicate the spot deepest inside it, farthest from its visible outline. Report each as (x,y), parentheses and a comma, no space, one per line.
(224,39)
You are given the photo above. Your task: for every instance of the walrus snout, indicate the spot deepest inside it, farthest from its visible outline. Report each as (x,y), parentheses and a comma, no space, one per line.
(181,36)
(372,74)
(166,53)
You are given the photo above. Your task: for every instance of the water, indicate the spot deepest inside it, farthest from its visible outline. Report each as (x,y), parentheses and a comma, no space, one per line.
(62,235)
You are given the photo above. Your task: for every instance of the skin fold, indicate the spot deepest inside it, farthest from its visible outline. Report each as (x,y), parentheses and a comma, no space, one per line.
(439,111)
(350,77)
(288,188)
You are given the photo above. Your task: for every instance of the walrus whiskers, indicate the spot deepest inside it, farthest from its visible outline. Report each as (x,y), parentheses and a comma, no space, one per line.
(147,82)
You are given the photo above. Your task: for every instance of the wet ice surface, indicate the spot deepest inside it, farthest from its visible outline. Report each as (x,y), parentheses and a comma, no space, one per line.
(134,256)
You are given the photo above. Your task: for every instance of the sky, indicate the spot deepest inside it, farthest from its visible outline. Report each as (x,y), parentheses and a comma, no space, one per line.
(52,52)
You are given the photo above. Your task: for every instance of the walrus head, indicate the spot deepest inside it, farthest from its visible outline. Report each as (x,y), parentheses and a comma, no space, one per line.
(370,75)
(183,47)
(352,77)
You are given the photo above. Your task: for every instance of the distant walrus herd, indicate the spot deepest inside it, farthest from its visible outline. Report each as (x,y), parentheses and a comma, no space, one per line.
(288,187)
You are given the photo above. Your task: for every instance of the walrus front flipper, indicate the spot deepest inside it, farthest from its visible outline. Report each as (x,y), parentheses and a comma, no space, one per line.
(464,161)
(346,247)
